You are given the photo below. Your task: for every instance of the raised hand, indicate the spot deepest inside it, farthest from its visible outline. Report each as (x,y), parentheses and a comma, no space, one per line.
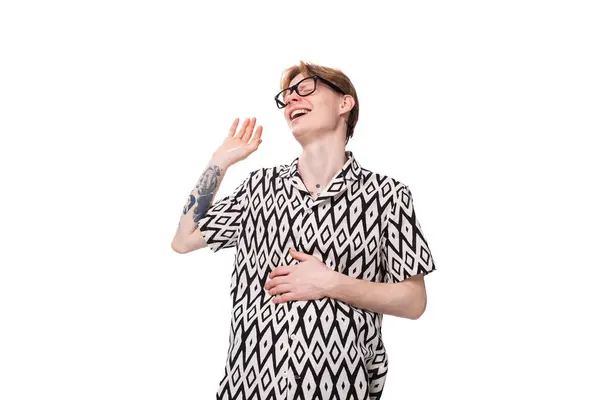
(238,146)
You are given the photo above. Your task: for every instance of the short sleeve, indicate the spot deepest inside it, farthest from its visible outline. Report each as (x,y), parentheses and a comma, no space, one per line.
(221,224)
(405,252)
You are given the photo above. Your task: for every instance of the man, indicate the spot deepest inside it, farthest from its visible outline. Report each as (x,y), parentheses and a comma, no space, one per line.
(324,248)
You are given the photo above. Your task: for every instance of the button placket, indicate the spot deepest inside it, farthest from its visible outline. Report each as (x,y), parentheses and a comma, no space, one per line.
(293,336)
(290,327)
(309,205)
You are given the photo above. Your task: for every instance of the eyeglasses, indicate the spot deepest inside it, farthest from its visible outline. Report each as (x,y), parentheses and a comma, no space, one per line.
(305,87)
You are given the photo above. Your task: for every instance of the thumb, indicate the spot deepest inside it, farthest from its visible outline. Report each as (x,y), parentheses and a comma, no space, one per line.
(298,255)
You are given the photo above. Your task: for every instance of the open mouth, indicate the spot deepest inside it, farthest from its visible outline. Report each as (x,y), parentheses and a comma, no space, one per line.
(298,114)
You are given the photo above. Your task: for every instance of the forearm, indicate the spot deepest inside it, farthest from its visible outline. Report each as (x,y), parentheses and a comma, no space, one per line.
(403,299)
(201,197)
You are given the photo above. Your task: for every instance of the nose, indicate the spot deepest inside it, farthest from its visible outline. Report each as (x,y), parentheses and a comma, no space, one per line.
(294,96)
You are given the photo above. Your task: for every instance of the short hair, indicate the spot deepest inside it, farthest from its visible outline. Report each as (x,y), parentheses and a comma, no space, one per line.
(333,75)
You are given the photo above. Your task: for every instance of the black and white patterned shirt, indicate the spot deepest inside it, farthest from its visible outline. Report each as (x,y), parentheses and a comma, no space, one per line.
(362,224)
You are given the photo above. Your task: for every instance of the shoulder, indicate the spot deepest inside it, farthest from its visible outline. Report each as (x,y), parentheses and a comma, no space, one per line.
(264,173)
(385,183)
(272,171)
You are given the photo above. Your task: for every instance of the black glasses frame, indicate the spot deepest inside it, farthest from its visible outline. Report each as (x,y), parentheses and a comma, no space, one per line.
(293,88)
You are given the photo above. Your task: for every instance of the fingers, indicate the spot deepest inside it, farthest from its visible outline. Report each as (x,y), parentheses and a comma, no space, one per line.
(233,126)
(257,138)
(241,131)
(281,270)
(282,298)
(245,131)
(248,132)
(281,288)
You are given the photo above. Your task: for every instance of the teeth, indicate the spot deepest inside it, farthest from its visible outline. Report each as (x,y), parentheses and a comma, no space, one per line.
(298,112)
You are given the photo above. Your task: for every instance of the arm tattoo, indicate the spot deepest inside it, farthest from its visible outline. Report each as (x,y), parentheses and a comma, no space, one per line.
(204,192)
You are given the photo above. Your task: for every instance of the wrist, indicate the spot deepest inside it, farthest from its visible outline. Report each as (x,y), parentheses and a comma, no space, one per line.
(219,162)
(331,284)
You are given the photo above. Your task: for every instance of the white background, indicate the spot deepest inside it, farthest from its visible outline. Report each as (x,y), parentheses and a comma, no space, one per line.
(110,111)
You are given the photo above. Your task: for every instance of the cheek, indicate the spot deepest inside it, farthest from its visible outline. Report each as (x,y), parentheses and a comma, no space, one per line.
(324,114)
(325,108)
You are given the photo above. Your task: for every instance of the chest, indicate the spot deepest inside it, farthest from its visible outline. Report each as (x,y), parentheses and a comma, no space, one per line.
(343,231)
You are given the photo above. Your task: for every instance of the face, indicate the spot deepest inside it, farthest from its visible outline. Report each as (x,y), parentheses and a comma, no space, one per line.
(323,105)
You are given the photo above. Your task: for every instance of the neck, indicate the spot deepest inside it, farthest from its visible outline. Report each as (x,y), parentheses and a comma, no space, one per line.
(319,164)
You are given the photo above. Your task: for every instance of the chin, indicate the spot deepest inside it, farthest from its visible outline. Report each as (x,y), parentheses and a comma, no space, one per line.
(298,130)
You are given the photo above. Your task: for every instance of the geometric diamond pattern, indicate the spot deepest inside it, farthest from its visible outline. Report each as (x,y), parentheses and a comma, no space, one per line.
(362,224)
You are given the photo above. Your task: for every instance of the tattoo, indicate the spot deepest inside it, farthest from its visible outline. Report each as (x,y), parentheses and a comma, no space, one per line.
(204,192)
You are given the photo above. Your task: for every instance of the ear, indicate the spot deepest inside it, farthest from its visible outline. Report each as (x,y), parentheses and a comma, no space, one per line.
(346,104)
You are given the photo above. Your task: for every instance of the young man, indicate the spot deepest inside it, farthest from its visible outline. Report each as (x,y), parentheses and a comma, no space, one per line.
(324,248)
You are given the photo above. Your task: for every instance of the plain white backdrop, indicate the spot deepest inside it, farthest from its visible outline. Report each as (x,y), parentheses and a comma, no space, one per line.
(110,111)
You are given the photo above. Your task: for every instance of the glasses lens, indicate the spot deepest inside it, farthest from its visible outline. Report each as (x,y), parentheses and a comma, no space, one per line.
(305,87)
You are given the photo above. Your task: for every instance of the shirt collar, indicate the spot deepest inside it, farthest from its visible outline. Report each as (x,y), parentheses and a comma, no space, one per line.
(350,171)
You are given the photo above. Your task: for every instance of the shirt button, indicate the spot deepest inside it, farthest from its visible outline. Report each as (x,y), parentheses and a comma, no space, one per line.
(293,336)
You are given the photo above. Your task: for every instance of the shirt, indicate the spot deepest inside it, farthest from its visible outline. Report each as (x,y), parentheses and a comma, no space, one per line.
(362,224)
